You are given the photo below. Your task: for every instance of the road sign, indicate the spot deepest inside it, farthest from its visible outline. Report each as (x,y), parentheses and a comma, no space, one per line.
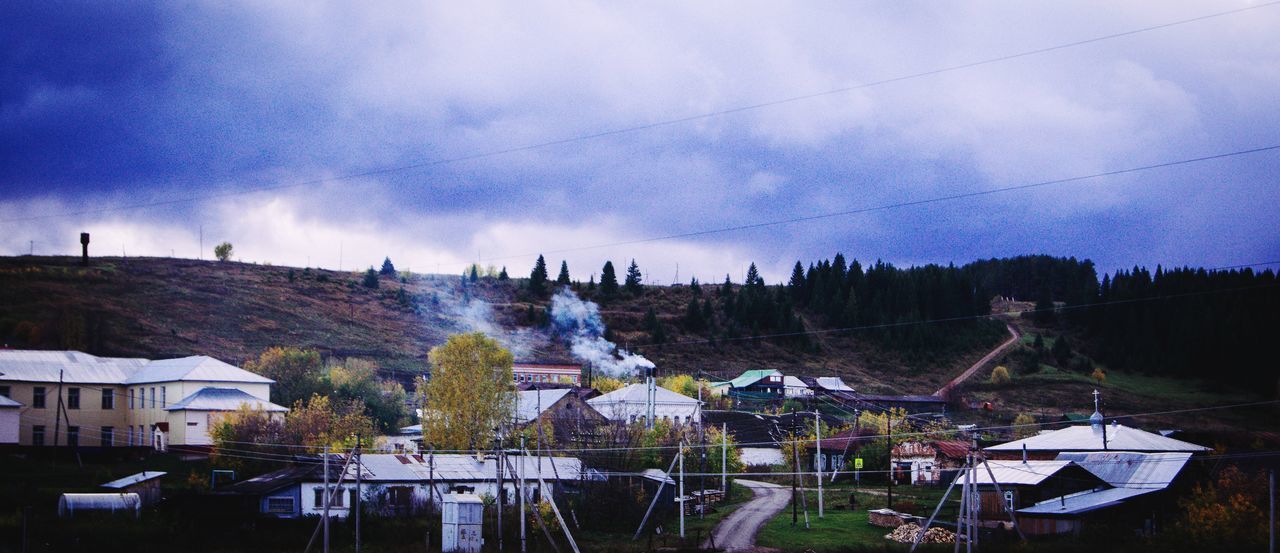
(857,463)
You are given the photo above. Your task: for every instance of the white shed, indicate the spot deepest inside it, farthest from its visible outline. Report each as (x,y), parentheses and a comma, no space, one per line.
(462,520)
(71,504)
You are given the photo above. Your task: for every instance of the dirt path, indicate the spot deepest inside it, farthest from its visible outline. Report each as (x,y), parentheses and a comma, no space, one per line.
(985,359)
(737,532)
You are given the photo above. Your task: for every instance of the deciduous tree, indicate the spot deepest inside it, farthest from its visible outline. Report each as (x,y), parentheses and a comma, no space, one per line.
(469,394)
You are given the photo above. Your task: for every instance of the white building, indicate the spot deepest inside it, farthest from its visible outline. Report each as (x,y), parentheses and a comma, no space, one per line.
(9,414)
(630,404)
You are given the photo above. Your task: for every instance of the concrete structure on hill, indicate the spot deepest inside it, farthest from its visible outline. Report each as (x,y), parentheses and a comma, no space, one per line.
(113,402)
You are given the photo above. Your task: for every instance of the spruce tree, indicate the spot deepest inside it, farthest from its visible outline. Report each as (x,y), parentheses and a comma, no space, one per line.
(538,277)
(370,278)
(796,284)
(387,268)
(693,316)
(475,274)
(563,278)
(632,283)
(591,283)
(695,287)
(503,274)
(608,279)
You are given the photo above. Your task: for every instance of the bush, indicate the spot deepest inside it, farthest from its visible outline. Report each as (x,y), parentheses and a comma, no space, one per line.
(1098,376)
(223,251)
(1000,375)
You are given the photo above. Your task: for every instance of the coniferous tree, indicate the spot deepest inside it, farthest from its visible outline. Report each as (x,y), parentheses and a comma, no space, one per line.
(695,287)
(370,278)
(591,283)
(502,275)
(387,268)
(632,283)
(475,274)
(1061,350)
(563,278)
(797,285)
(651,323)
(538,277)
(608,279)
(693,321)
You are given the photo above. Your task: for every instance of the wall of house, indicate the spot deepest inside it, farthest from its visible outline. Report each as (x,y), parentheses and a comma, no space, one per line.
(9,425)
(90,418)
(373,492)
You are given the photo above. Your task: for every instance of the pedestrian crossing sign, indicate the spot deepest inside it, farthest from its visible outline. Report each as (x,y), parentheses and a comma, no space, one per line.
(857,463)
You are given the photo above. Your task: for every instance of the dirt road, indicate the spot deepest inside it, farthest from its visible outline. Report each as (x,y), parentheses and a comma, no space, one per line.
(737,532)
(985,359)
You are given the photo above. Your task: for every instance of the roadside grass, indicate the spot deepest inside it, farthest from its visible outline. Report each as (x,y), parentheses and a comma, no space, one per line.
(696,529)
(844,529)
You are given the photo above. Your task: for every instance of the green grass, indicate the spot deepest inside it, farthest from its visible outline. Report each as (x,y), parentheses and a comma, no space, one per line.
(695,529)
(842,529)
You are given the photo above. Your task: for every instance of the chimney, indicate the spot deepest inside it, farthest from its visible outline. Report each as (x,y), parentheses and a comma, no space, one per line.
(1024,453)
(84,249)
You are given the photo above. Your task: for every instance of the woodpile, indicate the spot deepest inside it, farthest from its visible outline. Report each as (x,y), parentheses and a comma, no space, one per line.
(907,534)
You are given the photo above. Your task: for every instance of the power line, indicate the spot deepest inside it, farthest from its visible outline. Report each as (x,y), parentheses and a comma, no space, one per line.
(654,125)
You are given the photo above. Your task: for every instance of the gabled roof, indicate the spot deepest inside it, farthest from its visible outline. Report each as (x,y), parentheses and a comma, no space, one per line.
(635,393)
(1019,473)
(134,479)
(751,377)
(223,399)
(1090,438)
(1083,502)
(531,404)
(198,367)
(794,382)
(1124,469)
(746,428)
(833,383)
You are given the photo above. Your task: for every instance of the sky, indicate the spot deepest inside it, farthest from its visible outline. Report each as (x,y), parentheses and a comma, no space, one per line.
(441,134)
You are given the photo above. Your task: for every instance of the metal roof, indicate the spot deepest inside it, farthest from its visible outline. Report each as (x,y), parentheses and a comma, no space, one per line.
(134,479)
(750,377)
(1083,502)
(635,393)
(833,383)
(82,368)
(6,402)
(1090,438)
(531,404)
(380,467)
(1125,469)
(223,399)
(1028,473)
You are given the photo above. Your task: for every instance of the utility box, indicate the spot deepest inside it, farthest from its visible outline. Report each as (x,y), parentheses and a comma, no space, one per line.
(462,517)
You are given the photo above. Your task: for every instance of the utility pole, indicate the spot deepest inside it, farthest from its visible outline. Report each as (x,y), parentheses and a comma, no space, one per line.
(795,473)
(888,447)
(520,475)
(817,432)
(497,456)
(359,467)
(57,419)
(201,253)
(326,495)
(724,459)
(681,500)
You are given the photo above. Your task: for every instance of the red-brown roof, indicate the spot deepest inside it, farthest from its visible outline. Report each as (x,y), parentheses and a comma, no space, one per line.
(955,449)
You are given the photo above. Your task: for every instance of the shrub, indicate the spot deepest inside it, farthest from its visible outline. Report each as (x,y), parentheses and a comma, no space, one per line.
(1098,376)
(223,251)
(1000,375)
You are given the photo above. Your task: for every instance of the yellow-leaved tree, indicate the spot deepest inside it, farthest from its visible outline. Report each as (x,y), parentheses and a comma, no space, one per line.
(470,392)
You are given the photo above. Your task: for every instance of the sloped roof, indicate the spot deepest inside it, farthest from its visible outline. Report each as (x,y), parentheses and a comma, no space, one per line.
(955,449)
(1125,469)
(1089,438)
(9,403)
(197,367)
(635,393)
(531,404)
(223,399)
(134,479)
(379,467)
(750,377)
(1083,502)
(833,383)
(745,427)
(794,382)
(1029,473)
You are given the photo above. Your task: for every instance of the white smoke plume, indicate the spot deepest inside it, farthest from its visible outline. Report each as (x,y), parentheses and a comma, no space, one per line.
(476,315)
(579,321)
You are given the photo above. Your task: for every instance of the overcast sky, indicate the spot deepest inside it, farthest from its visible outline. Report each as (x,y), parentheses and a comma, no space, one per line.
(109,105)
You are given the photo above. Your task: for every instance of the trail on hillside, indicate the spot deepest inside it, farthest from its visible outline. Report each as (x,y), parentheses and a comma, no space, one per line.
(1014,336)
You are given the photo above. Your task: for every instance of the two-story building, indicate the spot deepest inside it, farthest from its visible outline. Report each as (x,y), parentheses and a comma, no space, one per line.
(76,399)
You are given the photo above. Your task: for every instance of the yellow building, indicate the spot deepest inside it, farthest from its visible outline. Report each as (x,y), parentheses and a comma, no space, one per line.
(113,402)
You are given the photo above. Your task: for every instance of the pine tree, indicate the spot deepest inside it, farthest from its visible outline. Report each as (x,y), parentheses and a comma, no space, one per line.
(591,283)
(695,287)
(387,268)
(370,278)
(608,279)
(503,274)
(797,285)
(475,275)
(538,277)
(632,283)
(563,278)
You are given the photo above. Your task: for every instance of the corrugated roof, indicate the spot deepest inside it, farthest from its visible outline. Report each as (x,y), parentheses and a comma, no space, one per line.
(223,399)
(134,479)
(751,377)
(1125,469)
(456,467)
(1029,473)
(1082,502)
(833,383)
(531,404)
(794,382)
(6,402)
(635,393)
(82,368)
(1088,438)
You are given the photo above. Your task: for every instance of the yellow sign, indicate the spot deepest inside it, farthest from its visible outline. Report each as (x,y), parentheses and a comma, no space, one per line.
(857,463)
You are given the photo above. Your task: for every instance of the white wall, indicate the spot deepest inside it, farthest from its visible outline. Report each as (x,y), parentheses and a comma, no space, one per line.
(9,426)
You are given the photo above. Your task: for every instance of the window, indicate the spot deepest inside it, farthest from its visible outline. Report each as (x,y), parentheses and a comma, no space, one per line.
(153,397)
(108,399)
(4,391)
(1008,500)
(130,392)
(108,436)
(73,436)
(139,433)
(280,505)
(37,397)
(73,398)
(320,497)
(128,436)
(163,402)
(37,435)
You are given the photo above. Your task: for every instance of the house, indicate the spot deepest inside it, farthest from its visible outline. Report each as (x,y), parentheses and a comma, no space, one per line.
(928,462)
(793,386)
(408,439)
(913,404)
(112,402)
(755,384)
(826,384)
(145,484)
(10,413)
(1023,484)
(569,416)
(581,391)
(1091,438)
(756,435)
(554,373)
(398,485)
(630,404)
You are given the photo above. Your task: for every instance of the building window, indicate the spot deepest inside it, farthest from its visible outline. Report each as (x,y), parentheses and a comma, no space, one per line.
(108,436)
(108,399)
(140,442)
(128,436)
(73,398)
(320,497)
(164,402)
(4,391)
(37,435)
(73,436)
(37,397)
(153,397)
(1008,500)
(130,392)
(280,505)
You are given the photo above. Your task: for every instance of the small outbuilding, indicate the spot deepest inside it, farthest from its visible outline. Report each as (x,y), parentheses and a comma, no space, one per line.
(146,484)
(79,504)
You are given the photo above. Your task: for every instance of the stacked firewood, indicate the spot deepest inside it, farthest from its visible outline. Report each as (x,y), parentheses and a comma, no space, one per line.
(907,534)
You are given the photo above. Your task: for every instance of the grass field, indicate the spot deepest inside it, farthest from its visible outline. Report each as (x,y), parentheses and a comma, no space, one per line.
(843,529)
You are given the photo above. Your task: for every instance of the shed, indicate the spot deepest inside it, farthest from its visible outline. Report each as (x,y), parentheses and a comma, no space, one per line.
(146,484)
(72,504)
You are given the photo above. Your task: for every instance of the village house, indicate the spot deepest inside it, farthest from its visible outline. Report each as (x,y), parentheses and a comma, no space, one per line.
(630,403)
(1025,483)
(398,484)
(114,402)
(756,435)
(754,384)
(569,416)
(10,413)
(928,462)
(553,373)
